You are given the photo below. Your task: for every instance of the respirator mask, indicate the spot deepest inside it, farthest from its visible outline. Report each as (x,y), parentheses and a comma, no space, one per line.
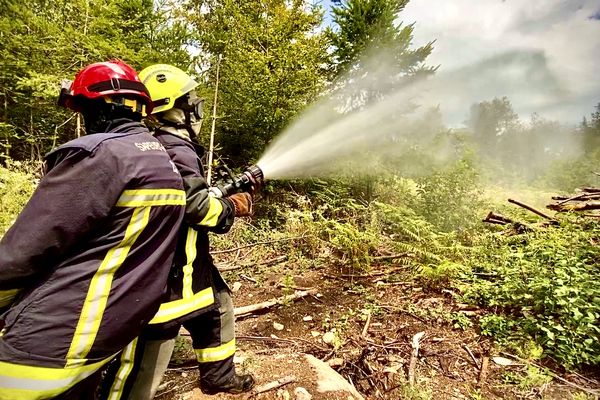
(187,114)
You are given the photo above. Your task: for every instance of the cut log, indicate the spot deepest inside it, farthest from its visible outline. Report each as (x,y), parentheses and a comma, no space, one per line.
(533,210)
(582,206)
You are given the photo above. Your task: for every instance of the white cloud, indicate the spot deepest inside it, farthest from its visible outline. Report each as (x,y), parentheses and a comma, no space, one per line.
(561,38)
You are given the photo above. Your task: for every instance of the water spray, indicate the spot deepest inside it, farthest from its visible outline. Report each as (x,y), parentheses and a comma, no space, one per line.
(250,180)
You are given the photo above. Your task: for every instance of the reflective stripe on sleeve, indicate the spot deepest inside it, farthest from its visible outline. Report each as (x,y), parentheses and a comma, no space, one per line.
(188,268)
(218,353)
(126,366)
(99,289)
(7,296)
(215,208)
(22,382)
(178,308)
(151,197)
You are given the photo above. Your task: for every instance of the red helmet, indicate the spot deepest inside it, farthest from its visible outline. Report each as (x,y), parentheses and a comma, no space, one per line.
(105,79)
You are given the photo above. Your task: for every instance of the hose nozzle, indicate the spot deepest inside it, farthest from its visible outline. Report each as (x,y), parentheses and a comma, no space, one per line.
(249,180)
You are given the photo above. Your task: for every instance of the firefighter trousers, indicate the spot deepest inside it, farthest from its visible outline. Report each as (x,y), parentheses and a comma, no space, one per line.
(137,372)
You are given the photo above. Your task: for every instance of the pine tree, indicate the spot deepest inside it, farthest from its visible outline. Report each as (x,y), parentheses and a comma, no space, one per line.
(369,35)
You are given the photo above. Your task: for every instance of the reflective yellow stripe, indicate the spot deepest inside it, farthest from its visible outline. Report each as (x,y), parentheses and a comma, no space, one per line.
(188,268)
(178,308)
(151,197)
(97,295)
(126,366)
(7,296)
(215,208)
(23,382)
(218,353)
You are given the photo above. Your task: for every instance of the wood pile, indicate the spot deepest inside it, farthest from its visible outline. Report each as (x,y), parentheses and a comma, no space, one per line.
(587,199)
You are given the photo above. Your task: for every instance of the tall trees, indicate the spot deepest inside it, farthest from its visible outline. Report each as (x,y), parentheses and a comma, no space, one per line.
(370,43)
(46,41)
(273,58)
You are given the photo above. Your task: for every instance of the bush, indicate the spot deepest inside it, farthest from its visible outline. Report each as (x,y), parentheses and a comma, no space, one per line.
(544,285)
(17,183)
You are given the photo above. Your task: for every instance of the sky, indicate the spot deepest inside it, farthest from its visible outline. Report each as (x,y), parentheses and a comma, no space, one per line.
(544,55)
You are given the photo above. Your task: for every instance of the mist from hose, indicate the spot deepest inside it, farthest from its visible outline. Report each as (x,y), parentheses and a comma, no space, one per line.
(370,116)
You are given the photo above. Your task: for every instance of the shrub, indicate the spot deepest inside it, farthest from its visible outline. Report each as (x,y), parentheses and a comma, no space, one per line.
(544,285)
(17,183)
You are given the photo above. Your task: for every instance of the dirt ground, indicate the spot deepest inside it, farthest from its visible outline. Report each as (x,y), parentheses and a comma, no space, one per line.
(373,353)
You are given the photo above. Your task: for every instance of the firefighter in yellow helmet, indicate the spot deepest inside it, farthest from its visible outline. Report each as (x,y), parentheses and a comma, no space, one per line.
(199,299)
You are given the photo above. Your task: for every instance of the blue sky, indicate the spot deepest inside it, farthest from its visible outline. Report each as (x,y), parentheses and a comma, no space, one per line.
(562,37)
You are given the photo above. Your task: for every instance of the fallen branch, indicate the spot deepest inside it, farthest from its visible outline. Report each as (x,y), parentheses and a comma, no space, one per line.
(257,244)
(533,210)
(413,357)
(471,355)
(485,362)
(293,341)
(494,218)
(275,384)
(366,327)
(553,374)
(591,189)
(223,268)
(391,257)
(589,205)
(242,311)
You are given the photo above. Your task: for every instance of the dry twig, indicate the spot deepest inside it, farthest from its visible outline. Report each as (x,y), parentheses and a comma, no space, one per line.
(413,357)
(258,244)
(275,384)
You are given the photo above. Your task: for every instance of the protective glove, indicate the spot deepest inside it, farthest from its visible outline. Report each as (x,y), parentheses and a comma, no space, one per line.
(242,202)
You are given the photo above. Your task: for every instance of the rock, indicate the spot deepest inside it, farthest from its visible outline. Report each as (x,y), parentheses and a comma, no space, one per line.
(278,326)
(330,381)
(236,286)
(329,338)
(307,318)
(184,374)
(336,362)
(283,394)
(302,394)
(315,333)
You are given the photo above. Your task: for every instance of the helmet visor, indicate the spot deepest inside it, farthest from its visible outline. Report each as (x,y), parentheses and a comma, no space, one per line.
(65,93)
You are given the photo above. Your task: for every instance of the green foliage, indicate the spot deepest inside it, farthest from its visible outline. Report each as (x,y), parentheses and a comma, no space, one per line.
(274,55)
(17,183)
(45,41)
(440,275)
(367,27)
(450,199)
(541,283)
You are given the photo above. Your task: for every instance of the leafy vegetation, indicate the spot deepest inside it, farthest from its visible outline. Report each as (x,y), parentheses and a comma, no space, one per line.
(536,288)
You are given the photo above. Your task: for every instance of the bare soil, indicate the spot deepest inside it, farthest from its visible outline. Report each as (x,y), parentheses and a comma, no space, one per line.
(377,363)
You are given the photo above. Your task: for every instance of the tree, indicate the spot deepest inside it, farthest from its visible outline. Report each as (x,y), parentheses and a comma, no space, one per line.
(50,40)
(273,58)
(591,132)
(371,44)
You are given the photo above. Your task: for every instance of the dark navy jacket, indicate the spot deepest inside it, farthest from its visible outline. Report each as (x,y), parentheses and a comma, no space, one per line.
(194,277)
(85,265)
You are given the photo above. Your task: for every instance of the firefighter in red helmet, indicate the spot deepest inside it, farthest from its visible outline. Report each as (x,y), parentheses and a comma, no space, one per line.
(85,265)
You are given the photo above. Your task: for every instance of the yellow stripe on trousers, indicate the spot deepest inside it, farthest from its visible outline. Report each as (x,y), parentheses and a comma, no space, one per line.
(23,382)
(99,289)
(218,353)
(127,362)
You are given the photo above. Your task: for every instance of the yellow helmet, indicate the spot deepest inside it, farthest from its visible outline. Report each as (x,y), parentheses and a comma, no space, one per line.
(166,83)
